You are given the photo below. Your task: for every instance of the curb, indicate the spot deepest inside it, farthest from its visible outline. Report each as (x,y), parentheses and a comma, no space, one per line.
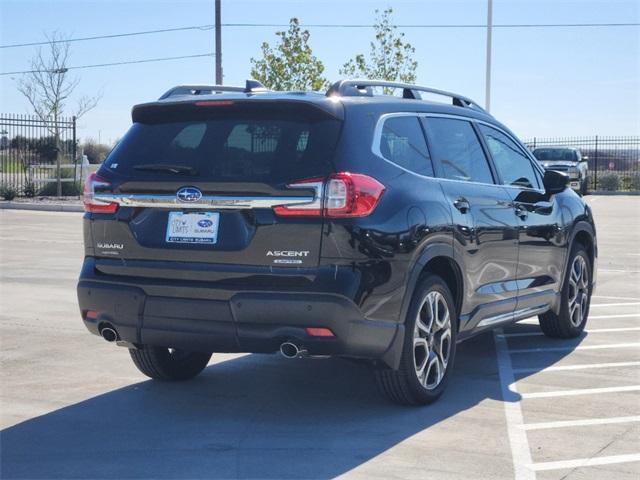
(45,207)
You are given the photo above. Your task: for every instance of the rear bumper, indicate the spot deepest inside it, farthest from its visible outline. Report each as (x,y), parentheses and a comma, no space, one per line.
(164,313)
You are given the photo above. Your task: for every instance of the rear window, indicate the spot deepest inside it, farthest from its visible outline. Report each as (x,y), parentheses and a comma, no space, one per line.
(555,154)
(231,147)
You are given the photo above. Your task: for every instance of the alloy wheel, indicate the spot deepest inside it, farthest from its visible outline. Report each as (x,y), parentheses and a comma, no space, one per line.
(432,340)
(578,291)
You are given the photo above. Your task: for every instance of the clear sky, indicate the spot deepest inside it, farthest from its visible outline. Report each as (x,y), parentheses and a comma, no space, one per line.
(546,81)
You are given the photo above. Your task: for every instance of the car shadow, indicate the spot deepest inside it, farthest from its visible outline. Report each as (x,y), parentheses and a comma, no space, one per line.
(256,416)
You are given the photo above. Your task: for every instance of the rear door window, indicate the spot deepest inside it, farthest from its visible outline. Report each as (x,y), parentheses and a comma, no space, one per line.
(512,163)
(456,147)
(236,147)
(402,142)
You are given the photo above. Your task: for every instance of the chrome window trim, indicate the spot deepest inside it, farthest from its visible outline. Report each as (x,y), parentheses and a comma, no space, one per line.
(377,136)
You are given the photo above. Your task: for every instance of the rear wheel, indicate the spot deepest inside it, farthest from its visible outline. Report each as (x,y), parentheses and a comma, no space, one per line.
(169,363)
(576,297)
(429,347)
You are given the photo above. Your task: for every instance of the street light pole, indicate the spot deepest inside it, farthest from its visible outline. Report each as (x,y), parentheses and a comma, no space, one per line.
(218,45)
(487,94)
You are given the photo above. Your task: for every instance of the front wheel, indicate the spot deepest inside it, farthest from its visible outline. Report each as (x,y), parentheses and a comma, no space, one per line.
(169,363)
(429,347)
(584,186)
(575,301)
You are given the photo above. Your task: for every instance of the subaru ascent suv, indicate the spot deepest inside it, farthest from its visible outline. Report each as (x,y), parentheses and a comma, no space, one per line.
(354,223)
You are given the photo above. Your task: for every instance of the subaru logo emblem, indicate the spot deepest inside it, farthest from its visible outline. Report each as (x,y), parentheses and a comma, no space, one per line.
(189,194)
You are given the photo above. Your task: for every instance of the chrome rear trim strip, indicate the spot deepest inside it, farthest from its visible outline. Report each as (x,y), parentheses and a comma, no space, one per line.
(205,202)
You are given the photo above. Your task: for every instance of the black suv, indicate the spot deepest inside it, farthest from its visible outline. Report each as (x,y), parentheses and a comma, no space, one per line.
(351,224)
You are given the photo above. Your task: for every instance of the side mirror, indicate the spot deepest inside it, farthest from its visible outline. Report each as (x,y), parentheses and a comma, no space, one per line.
(584,159)
(555,182)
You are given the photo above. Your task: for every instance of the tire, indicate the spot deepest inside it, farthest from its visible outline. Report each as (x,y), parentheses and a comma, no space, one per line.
(168,364)
(406,385)
(584,186)
(575,301)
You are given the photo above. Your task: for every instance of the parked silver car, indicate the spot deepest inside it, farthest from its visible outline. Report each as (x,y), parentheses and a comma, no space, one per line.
(568,160)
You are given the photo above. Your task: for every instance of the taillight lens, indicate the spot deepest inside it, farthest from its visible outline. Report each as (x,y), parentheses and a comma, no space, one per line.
(90,203)
(351,195)
(342,195)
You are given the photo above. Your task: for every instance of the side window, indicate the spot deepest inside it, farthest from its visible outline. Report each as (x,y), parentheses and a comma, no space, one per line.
(403,143)
(514,166)
(455,145)
(190,136)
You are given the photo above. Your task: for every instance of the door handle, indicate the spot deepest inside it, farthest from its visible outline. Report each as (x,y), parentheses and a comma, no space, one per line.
(462,204)
(521,211)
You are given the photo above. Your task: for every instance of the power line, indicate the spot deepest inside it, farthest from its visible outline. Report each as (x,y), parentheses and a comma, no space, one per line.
(323,25)
(435,25)
(115,35)
(147,60)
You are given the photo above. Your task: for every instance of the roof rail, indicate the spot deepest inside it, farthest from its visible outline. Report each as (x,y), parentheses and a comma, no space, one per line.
(252,86)
(355,88)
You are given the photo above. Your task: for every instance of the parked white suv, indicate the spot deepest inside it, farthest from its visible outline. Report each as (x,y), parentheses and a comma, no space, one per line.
(568,160)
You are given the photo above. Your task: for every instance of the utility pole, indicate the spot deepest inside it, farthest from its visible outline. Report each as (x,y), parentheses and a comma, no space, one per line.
(487,95)
(218,45)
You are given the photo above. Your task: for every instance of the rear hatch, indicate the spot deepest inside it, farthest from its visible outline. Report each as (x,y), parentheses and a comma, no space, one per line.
(201,182)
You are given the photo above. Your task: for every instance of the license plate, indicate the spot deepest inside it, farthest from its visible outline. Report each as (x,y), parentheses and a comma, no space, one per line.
(200,227)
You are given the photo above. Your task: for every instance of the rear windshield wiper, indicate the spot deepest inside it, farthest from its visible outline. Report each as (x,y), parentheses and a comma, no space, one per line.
(161,167)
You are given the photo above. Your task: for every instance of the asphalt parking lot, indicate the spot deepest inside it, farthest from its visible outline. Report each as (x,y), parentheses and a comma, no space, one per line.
(519,405)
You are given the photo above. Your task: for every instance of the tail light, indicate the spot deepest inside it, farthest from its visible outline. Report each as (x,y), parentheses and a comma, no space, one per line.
(342,195)
(92,205)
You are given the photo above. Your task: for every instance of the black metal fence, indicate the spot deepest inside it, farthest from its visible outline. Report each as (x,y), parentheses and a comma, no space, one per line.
(614,162)
(38,157)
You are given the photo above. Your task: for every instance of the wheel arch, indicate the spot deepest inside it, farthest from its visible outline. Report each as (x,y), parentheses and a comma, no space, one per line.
(438,259)
(583,233)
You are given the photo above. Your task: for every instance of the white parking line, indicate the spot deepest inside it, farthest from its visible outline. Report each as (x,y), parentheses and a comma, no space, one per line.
(586,366)
(614,298)
(581,391)
(581,423)
(624,315)
(622,304)
(612,270)
(589,330)
(570,348)
(585,462)
(520,453)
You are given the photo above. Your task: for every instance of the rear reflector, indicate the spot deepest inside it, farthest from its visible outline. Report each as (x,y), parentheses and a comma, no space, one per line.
(343,195)
(90,204)
(319,332)
(91,315)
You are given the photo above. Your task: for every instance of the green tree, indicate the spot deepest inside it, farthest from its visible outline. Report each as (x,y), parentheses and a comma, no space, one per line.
(291,65)
(390,57)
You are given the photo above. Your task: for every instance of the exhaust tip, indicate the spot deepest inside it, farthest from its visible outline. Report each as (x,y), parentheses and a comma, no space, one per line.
(109,334)
(289,350)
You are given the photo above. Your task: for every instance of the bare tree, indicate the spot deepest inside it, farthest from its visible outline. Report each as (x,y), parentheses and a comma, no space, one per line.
(48,86)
